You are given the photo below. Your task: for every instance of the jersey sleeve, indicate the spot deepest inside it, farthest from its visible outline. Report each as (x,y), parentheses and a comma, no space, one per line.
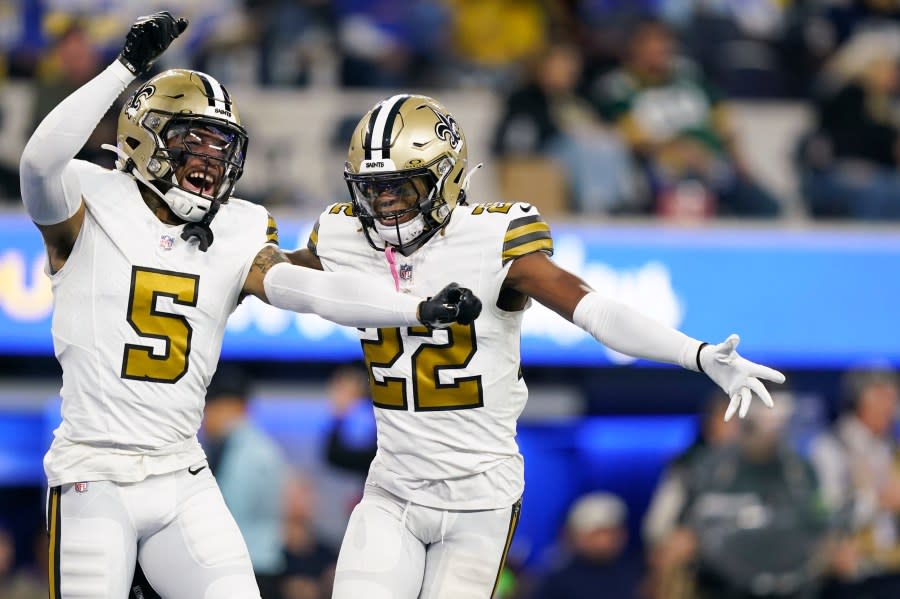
(526,233)
(339,210)
(271,230)
(312,243)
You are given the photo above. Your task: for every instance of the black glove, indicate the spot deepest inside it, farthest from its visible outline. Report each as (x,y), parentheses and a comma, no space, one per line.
(451,304)
(149,37)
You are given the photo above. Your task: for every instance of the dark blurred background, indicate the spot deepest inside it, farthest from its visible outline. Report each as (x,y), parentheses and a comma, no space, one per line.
(722,165)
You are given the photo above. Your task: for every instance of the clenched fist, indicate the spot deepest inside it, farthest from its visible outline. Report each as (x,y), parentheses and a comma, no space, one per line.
(148,39)
(451,304)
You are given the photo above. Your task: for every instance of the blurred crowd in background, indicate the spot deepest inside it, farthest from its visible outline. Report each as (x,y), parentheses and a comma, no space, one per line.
(606,106)
(787,503)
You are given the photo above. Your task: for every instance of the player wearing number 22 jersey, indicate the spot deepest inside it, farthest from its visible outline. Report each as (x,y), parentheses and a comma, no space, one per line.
(447,400)
(443,492)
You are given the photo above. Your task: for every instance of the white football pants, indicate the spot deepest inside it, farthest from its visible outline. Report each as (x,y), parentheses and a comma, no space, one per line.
(394,549)
(176,525)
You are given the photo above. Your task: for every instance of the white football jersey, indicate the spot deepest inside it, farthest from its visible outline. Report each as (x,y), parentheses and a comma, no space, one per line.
(446,401)
(138,320)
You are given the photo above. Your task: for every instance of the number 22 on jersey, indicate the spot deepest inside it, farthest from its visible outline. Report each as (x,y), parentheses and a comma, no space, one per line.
(428,361)
(147,286)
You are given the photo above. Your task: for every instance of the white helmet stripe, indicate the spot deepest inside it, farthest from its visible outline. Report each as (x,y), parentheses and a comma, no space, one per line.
(216,90)
(384,124)
(219,92)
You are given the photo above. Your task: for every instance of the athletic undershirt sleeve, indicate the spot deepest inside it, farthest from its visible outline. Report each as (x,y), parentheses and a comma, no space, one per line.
(629,332)
(51,192)
(345,298)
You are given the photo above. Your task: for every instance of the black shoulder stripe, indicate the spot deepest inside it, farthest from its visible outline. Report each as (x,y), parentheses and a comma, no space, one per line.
(525,235)
(526,238)
(523,220)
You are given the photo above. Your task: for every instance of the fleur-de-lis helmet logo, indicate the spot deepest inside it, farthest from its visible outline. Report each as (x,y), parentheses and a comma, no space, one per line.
(135,102)
(447,129)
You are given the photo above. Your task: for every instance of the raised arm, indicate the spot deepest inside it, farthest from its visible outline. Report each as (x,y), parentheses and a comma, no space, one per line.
(51,192)
(351,299)
(627,331)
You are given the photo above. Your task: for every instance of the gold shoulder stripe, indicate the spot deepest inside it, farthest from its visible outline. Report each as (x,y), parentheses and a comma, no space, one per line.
(541,245)
(272,231)
(526,235)
(513,230)
(313,239)
(525,231)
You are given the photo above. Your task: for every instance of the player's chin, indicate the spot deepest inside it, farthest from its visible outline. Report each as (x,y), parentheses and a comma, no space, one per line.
(391,221)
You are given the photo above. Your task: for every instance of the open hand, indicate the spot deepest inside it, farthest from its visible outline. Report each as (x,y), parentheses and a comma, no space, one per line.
(737,376)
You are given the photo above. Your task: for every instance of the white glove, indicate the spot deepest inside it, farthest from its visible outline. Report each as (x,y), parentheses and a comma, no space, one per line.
(737,376)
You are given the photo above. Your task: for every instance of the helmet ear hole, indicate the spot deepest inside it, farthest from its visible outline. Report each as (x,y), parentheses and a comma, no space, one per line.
(444,167)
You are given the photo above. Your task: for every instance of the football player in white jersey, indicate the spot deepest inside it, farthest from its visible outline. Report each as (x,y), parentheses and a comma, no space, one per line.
(442,497)
(147,261)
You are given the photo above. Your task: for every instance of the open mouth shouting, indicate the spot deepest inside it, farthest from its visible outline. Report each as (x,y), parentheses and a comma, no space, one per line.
(203,153)
(200,178)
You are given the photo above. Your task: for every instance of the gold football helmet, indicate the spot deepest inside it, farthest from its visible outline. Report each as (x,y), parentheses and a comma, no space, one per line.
(406,171)
(181,135)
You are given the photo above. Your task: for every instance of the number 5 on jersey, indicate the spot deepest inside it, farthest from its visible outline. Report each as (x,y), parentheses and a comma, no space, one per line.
(147,286)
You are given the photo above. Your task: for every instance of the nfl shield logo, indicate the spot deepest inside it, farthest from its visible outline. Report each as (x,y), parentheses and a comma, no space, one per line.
(81,487)
(406,272)
(166,242)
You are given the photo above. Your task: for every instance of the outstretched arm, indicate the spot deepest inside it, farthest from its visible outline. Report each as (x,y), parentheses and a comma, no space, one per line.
(627,331)
(51,194)
(351,299)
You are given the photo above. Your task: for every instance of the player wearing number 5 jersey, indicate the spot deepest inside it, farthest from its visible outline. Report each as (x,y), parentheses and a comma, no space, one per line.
(147,262)
(442,496)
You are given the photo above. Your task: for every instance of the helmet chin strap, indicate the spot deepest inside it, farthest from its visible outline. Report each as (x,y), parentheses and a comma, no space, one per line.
(468,177)
(182,203)
(198,223)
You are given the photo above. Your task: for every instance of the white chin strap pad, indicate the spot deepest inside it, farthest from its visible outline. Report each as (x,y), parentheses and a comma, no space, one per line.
(409,231)
(187,206)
